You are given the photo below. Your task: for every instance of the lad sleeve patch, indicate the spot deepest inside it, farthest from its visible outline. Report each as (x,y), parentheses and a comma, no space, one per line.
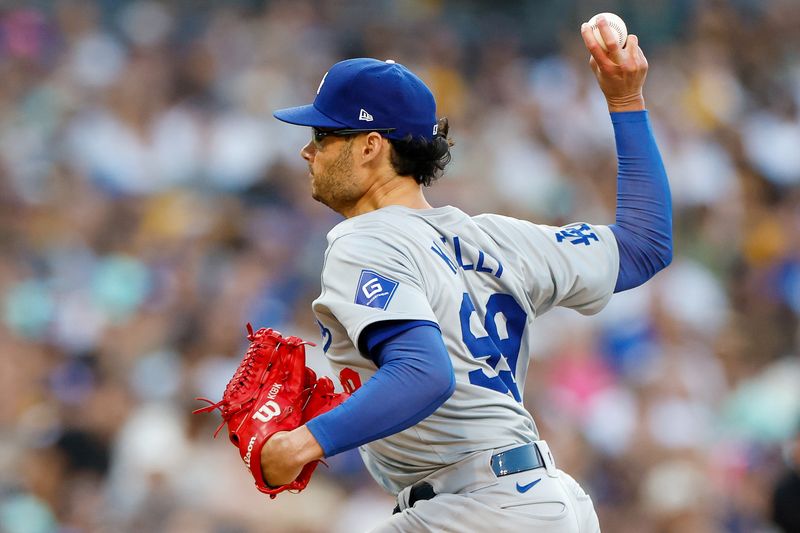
(375,290)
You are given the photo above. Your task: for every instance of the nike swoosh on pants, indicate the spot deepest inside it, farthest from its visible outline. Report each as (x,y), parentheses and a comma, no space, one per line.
(525,488)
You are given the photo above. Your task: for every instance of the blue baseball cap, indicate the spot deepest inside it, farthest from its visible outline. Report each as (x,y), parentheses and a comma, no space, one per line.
(369,94)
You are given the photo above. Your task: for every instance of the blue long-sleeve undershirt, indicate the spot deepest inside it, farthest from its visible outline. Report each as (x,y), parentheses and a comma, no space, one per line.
(643,227)
(414,377)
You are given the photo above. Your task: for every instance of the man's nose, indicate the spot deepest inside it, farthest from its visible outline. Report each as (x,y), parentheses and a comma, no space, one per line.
(308,151)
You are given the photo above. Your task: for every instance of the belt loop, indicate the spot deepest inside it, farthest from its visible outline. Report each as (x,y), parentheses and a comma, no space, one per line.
(547,457)
(402,500)
(422,490)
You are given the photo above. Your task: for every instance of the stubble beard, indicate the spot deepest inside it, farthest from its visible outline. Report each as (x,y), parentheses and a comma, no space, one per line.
(334,186)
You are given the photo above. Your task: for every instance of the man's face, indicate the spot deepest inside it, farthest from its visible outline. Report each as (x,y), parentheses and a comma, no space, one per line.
(330,166)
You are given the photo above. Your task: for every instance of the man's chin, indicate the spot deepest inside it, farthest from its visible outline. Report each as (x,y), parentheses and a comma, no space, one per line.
(319,198)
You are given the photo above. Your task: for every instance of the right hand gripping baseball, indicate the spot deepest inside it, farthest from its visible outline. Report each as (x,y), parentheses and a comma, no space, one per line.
(619,71)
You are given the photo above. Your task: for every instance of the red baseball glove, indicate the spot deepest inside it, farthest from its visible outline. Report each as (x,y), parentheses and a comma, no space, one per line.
(267,394)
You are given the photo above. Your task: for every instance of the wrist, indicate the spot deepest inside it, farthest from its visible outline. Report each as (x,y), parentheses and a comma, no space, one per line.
(298,446)
(309,448)
(625,103)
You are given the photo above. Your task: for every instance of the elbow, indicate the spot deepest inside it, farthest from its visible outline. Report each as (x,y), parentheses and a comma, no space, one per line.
(440,386)
(664,255)
(668,258)
(654,250)
(432,385)
(666,247)
(443,387)
(641,259)
(450,388)
(655,258)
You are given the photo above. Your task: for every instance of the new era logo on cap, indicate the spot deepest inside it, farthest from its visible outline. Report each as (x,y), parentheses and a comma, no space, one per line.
(367,92)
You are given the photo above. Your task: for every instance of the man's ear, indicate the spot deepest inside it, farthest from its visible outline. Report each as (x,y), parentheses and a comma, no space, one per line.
(373,148)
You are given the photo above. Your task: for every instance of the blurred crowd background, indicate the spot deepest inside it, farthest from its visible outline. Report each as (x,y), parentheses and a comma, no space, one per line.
(150,206)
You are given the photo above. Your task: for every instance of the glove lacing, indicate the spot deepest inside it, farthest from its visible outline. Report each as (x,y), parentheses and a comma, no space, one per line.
(244,381)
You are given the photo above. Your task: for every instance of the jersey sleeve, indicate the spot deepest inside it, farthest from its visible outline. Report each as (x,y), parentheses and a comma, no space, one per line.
(368,279)
(573,266)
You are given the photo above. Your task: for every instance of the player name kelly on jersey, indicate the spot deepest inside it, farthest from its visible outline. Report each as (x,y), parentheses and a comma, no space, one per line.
(477,259)
(483,280)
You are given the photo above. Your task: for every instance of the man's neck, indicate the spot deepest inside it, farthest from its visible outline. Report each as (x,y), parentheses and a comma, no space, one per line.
(401,190)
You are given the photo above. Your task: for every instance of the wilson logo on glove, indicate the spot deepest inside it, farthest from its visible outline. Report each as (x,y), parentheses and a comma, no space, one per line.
(249,451)
(271,391)
(267,412)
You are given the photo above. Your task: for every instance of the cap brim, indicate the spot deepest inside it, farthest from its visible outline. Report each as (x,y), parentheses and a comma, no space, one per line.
(306,115)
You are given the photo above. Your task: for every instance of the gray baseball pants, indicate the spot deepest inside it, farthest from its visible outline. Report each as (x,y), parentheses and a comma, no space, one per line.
(471,498)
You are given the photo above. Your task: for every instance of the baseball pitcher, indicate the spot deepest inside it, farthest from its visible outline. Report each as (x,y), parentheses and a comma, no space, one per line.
(426,313)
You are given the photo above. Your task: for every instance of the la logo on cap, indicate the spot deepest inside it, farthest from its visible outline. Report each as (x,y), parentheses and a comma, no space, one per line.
(320,83)
(363,115)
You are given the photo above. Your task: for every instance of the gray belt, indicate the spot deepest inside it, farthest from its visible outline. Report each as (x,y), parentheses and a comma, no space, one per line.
(519,459)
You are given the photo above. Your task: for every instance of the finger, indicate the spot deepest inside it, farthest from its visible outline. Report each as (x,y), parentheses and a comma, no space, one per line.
(635,51)
(593,65)
(598,54)
(642,60)
(610,40)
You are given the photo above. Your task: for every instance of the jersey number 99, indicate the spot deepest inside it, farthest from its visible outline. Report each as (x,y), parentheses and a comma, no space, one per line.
(492,346)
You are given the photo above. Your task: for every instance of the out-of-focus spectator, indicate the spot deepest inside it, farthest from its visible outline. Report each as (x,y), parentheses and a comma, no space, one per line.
(786,497)
(150,207)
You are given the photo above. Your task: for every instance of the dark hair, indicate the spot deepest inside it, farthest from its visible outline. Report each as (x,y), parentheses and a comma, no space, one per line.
(423,159)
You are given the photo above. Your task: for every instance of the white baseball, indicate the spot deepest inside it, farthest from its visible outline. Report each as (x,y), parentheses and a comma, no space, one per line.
(617,26)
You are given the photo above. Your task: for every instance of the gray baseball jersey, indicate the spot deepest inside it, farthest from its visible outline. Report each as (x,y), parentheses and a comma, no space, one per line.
(483,280)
